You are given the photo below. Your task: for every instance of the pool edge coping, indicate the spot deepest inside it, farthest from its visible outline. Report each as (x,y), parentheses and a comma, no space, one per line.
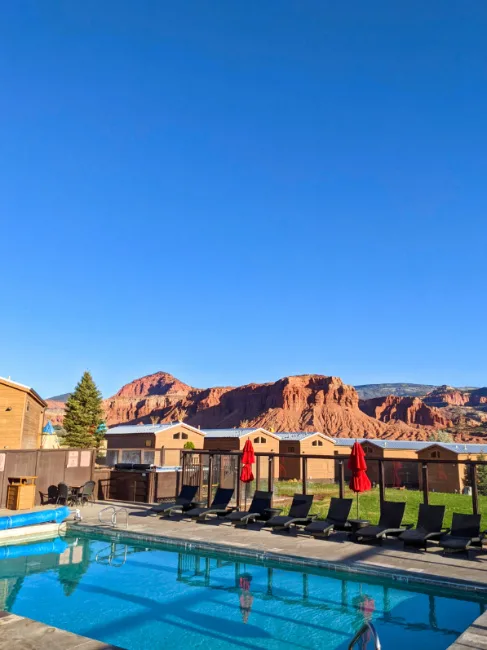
(360,568)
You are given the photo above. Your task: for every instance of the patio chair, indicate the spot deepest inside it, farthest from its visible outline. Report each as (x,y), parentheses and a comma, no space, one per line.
(298,514)
(336,519)
(86,493)
(429,527)
(391,514)
(219,506)
(184,501)
(261,501)
(464,534)
(64,494)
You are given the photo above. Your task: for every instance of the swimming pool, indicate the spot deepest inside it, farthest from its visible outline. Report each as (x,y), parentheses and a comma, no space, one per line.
(137,597)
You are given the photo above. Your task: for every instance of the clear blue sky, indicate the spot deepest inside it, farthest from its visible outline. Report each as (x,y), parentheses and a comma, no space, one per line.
(237,191)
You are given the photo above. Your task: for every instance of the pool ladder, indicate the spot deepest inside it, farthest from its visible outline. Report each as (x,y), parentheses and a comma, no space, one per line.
(113,518)
(114,557)
(366,634)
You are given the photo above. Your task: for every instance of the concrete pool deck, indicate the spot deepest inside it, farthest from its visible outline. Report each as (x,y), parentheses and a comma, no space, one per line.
(336,553)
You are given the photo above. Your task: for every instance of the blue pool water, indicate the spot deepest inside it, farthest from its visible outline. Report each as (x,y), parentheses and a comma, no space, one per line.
(159,598)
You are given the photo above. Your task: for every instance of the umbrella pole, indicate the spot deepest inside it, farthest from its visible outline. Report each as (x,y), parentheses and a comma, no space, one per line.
(357,505)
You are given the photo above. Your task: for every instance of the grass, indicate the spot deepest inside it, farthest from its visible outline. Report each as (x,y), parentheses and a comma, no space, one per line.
(369,504)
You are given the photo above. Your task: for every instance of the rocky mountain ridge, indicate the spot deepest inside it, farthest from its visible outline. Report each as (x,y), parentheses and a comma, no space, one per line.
(302,402)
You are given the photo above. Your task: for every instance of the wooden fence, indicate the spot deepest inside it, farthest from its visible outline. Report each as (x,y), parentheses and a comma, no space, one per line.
(51,466)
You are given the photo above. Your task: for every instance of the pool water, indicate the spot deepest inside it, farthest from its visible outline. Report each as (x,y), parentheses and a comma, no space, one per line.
(157,597)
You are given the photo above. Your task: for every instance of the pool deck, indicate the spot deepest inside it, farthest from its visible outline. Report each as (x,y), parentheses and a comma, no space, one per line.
(255,542)
(19,633)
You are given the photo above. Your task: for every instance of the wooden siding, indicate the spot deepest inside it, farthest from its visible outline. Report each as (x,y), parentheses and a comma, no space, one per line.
(173,440)
(130,441)
(11,421)
(32,426)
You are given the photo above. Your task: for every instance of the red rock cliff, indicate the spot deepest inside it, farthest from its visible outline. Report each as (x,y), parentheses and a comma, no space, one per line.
(304,402)
(410,410)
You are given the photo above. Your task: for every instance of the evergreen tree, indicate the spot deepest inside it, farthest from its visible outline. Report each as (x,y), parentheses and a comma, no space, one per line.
(482,476)
(83,414)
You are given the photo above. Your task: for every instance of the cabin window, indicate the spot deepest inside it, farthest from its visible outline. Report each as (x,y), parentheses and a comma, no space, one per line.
(148,457)
(130,456)
(184,436)
(435,454)
(148,443)
(111,457)
(368,449)
(290,450)
(317,443)
(176,436)
(259,440)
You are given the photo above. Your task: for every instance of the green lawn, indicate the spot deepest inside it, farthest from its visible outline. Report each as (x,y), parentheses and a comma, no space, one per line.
(369,501)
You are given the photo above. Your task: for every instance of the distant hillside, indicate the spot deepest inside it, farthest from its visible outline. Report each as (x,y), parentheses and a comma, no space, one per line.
(369,391)
(59,398)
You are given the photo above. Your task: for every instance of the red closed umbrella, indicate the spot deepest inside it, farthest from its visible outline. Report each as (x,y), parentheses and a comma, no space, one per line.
(248,457)
(359,482)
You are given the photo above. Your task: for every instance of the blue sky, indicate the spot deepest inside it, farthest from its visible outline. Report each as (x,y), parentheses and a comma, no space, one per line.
(237,191)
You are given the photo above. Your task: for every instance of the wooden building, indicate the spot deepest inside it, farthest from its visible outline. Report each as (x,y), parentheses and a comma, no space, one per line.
(446,477)
(262,440)
(158,444)
(21,416)
(397,473)
(306,442)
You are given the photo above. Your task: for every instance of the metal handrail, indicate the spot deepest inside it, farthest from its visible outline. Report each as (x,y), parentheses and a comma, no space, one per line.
(113,519)
(113,557)
(369,629)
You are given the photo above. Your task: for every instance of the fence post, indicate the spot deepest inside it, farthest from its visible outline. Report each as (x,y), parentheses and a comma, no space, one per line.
(424,470)
(341,478)
(200,476)
(270,478)
(239,471)
(305,474)
(210,482)
(475,491)
(183,468)
(381,482)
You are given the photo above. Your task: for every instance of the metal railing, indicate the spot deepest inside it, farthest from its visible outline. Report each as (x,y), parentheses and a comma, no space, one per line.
(204,475)
(113,518)
(366,634)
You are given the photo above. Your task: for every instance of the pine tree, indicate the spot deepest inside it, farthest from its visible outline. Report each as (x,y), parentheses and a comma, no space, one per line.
(482,476)
(83,414)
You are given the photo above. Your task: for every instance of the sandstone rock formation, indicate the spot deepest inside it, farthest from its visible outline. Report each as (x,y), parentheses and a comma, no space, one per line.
(304,402)
(410,410)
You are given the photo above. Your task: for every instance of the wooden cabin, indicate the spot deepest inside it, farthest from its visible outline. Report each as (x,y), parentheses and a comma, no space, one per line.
(21,416)
(262,440)
(446,477)
(401,472)
(158,444)
(306,442)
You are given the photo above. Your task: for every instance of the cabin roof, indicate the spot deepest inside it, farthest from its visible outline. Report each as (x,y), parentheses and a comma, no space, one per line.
(148,428)
(301,435)
(25,389)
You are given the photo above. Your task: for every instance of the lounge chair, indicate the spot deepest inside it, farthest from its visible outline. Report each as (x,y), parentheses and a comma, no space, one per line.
(184,501)
(391,514)
(336,519)
(464,534)
(261,501)
(219,506)
(298,514)
(429,526)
